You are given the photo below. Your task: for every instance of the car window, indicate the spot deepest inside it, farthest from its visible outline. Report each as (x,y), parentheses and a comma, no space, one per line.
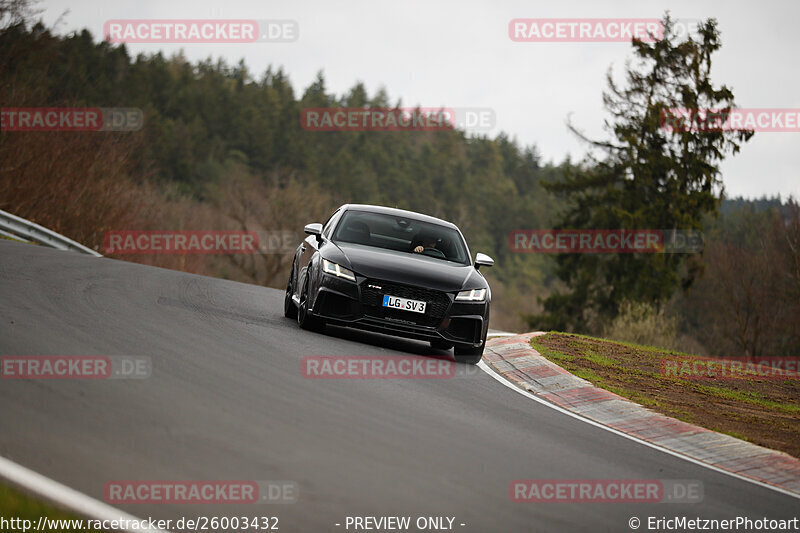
(402,234)
(326,228)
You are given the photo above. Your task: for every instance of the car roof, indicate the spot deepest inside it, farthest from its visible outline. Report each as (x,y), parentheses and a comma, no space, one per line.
(397,212)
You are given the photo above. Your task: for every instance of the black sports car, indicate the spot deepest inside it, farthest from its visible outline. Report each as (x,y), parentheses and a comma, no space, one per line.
(394,272)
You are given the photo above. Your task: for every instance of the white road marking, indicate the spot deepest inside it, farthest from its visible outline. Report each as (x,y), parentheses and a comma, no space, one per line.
(483,366)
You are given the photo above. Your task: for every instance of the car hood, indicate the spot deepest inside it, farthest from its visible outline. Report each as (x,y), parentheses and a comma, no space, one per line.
(406,268)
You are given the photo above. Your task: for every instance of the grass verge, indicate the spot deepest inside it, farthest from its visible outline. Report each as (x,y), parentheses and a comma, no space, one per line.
(17,504)
(761,410)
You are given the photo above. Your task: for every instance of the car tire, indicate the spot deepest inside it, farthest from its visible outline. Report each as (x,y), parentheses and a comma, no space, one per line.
(470,356)
(441,345)
(289,310)
(304,317)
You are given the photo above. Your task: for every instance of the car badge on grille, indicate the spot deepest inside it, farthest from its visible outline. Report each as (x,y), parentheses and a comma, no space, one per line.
(375,287)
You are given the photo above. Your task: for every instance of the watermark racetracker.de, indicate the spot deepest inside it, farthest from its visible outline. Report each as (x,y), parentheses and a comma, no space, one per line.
(75,367)
(606,490)
(768,120)
(605,241)
(121,492)
(126,242)
(71,119)
(384,367)
(194,31)
(597,30)
(760,368)
(470,119)
(376,367)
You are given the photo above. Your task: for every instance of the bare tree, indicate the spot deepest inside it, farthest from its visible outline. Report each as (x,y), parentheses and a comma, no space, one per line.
(276,207)
(13,12)
(746,304)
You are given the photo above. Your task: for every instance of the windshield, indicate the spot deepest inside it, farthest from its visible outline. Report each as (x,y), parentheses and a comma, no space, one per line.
(401,234)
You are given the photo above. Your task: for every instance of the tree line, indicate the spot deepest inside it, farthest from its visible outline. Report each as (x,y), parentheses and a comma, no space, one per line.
(222,147)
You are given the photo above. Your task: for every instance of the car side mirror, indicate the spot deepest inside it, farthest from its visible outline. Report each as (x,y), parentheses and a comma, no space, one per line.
(314,229)
(483,260)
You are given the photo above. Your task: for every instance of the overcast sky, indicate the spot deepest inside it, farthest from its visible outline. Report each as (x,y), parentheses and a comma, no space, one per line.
(458,54)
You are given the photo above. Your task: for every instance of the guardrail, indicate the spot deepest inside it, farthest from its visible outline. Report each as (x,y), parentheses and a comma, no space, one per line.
(15,226)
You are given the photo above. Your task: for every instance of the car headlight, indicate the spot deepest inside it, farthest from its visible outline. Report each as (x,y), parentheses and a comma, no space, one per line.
(475,295)
(337,270)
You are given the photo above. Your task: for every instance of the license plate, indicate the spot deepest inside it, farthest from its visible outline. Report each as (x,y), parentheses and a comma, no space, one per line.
(395,302)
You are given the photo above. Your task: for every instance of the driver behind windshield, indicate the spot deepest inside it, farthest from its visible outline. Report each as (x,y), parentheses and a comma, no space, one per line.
(424,241)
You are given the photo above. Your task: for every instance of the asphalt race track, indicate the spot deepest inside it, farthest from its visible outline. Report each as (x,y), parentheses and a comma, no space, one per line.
(226,400)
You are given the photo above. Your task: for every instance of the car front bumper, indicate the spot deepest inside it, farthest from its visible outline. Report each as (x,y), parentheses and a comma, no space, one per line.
(358,305)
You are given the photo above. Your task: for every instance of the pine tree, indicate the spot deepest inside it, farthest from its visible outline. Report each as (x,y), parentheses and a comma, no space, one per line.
(646,176)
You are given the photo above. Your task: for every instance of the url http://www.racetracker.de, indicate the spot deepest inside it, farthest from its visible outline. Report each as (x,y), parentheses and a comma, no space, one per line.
(149,525)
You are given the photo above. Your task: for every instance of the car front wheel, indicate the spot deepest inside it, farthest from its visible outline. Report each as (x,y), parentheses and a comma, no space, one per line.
(470,356)
(304,317)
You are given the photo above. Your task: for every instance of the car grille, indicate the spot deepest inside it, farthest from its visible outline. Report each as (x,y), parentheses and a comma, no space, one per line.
(372,300)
